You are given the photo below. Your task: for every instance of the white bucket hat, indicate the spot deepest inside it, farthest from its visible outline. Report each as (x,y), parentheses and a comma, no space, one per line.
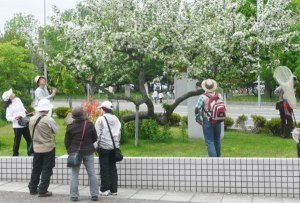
(209,85)
(106,104)
(36,79)
(44,105)
(6,95)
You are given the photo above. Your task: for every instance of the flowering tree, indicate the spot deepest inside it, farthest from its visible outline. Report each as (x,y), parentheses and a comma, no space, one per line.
(223,39)
(111,41)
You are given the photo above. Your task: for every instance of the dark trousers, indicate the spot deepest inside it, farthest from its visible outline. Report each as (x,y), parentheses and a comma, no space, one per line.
(298,149)
(43,163)
(108,171)
(286,122)
(18,135)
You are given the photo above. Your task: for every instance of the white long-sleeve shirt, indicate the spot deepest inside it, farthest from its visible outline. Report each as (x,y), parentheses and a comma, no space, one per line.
(16,108)
(41,93)
(104,138)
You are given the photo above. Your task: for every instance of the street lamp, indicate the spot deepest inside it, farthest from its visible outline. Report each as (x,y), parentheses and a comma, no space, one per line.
(45,65)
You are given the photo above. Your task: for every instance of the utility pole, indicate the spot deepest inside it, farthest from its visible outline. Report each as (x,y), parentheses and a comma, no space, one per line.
(258,13)
(45,65)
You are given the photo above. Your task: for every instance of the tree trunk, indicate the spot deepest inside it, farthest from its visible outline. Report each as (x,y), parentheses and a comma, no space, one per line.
(70,101)
(136,133)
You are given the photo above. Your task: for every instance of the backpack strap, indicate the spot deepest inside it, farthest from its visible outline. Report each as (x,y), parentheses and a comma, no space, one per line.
(203,109)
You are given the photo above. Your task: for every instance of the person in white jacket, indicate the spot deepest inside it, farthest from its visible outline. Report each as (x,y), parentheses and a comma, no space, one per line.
(108,169)
(42,92)
(14,111)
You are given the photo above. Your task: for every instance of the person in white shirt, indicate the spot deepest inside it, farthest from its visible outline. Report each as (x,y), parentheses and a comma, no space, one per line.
(154,96)
(108,169)
(42,92)
(14,111)
(160,96)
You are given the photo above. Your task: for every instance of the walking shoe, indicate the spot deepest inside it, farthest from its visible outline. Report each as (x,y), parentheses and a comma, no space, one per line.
(33,192)
(74,199)
(113,193)
(106,193)
(46,194)
(94,198)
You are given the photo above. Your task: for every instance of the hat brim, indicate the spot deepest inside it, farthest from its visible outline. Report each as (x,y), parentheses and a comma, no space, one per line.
(44,108)
(209,90)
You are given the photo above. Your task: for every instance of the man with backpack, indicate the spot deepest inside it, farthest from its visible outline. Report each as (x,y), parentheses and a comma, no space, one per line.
(210,111)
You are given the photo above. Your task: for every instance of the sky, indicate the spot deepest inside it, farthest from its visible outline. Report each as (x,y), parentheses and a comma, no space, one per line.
(35,7)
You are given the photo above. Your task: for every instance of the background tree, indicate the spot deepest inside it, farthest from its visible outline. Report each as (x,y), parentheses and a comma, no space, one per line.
(15,69)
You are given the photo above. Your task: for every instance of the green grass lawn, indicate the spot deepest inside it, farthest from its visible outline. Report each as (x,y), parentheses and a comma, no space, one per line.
(251,98)
(235,144)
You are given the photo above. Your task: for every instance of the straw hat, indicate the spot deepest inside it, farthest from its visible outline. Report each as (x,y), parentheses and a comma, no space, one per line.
(209,85)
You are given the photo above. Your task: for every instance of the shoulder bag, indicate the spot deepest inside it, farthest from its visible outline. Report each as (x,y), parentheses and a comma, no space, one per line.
(74,158)
(117,151)
(23,121)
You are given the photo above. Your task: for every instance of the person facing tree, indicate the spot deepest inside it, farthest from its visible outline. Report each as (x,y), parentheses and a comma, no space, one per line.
(211,128)
(14,111)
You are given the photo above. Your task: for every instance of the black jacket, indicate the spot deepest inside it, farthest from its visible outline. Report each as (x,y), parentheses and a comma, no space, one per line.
(73,137)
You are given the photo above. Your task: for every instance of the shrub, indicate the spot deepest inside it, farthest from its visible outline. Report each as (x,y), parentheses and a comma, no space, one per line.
(184,134)
(184,119)
(241,121)
(259,123)
(148,129)
(124,136)
(62,112)
(228,122)
(174,119)
(125,112)
(274,126)
(128,130)
(91,109)
(163,136)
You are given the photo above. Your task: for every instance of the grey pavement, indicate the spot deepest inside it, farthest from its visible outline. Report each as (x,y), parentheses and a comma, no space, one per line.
(11,192)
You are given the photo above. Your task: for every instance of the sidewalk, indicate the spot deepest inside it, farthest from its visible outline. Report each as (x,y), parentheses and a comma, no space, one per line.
(17,191)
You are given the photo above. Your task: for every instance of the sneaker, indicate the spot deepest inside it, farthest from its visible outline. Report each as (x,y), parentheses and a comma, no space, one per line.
(46,194)
(94,198)
(113,193)
(74,199)
(106,193)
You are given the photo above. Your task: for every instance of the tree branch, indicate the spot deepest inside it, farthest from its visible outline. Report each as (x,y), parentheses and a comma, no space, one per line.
(187,95)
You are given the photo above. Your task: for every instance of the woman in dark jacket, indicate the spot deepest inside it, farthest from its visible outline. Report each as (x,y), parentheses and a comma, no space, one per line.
(73,139)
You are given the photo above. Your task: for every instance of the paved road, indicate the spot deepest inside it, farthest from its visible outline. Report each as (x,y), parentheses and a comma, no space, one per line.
(234,109)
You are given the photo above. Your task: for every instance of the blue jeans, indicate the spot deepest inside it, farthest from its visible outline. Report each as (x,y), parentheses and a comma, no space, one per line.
(88,161)
(212,135)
